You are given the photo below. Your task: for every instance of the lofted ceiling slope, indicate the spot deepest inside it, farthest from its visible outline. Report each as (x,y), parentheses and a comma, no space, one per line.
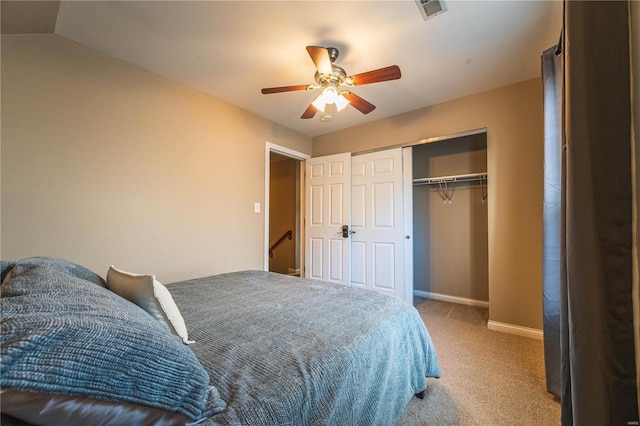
(232,49)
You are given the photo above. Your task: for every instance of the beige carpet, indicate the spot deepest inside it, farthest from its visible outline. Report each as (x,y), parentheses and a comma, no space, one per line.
(488,377)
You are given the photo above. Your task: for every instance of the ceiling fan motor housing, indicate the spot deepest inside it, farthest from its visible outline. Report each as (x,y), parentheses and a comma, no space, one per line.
(336,78)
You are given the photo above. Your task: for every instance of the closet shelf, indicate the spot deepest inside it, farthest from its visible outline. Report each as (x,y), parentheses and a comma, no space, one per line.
(469,177)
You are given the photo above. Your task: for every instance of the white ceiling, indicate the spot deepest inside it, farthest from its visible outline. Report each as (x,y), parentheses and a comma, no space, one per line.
(231,50)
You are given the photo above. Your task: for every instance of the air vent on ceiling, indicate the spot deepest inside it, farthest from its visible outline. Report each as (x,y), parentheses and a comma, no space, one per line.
(431,8)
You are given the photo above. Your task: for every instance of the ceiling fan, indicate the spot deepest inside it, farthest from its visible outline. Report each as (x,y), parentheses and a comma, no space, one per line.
(330,78)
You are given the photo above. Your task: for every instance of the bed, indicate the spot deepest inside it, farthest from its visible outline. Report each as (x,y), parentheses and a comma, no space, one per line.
(263,349)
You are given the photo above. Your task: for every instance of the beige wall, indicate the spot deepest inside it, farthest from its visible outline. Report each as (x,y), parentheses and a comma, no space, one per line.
(513,118)
(103,163)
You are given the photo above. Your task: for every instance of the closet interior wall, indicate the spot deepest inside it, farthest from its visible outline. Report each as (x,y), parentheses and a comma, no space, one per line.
(451,238)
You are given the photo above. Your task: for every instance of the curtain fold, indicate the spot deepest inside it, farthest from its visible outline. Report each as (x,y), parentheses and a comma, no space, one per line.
(594,273)
(552,215)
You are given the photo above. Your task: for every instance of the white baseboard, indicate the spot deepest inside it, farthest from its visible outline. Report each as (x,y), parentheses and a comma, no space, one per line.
(515,329)
(452,299)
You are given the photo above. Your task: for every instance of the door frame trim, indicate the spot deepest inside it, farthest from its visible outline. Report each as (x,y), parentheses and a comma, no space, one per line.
(407,206)
(288,152)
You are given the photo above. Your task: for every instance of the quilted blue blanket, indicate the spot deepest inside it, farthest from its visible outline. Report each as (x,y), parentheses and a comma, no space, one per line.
(293,351)
(63,334)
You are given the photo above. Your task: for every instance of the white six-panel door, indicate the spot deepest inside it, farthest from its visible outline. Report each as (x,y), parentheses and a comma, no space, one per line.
(377,217)
(328,188)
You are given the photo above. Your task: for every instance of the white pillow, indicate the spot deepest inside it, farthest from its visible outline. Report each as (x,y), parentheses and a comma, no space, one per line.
(148,293)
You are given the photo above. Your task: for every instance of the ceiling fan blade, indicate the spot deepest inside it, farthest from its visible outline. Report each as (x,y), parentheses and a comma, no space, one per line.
(284,89)
(309,112)
(382,74)
(358,103)
(321,59)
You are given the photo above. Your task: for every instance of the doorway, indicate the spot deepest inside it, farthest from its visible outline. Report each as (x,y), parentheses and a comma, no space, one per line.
(450,199)
(284,210)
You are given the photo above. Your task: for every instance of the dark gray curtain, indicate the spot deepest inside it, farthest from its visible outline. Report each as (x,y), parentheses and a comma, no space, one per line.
(593,275)
(552,268)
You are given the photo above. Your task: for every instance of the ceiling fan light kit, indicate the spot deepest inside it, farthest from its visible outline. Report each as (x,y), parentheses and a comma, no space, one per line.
(330,95)
(330,77)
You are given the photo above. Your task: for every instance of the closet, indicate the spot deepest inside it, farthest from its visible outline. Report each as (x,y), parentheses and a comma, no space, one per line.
(450,197)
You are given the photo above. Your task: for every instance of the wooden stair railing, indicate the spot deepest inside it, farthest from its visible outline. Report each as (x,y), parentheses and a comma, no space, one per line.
(286,235)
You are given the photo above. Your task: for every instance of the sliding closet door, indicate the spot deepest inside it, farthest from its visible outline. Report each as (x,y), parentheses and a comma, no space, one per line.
(377,244)
(328,194)
(364,193)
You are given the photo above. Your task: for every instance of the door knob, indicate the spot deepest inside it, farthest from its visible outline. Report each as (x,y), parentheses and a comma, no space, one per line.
(344,231)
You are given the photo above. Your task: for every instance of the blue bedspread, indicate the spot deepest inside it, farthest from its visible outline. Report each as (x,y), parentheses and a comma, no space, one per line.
(292,351)
(63,334)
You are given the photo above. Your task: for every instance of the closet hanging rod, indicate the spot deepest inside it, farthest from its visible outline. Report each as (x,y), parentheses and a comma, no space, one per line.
(469,177)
